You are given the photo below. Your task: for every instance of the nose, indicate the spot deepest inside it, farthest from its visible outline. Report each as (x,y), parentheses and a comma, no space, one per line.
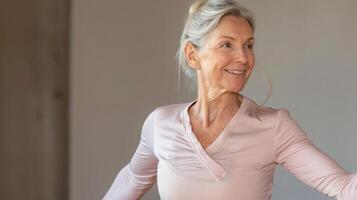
(241,56)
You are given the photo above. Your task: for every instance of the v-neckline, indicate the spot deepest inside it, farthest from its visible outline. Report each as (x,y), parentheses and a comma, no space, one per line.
(204,154)
(224,132)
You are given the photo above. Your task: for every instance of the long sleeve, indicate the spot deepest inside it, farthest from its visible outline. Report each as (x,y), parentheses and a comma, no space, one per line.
(298,155)
(139,174)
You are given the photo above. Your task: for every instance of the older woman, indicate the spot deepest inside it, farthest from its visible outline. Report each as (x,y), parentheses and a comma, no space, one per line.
(223,145)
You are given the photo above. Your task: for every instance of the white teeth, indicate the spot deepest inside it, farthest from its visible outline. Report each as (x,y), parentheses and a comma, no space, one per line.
(235,71)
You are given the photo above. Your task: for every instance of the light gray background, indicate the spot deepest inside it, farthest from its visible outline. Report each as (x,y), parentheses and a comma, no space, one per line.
(122,67)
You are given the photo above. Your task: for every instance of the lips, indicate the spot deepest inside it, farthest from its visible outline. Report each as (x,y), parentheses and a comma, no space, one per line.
(235,71)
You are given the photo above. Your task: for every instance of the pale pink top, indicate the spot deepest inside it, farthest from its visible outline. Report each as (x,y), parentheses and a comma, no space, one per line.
(239,164)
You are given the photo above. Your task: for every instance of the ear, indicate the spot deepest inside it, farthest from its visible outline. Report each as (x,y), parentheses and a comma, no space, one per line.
(191,55)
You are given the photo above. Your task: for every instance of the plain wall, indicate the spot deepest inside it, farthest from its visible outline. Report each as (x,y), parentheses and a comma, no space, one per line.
(122,67)
(34,99)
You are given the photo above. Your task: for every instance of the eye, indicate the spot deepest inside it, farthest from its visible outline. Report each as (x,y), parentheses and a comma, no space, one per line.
(226,45)
(248,46)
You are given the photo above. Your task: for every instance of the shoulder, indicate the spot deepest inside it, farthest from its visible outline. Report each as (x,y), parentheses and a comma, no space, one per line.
(260,112)
(170,111)
(164,114)
(265,114)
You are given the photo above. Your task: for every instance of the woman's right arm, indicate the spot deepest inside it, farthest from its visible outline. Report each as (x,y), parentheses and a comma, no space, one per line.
(139,174)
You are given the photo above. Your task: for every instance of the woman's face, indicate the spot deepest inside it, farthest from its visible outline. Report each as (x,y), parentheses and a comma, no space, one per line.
(227,58)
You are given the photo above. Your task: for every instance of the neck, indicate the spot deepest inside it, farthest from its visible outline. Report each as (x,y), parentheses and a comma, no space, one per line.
(212,105)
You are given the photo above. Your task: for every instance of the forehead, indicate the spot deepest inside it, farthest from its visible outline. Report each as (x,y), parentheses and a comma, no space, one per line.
(233,26)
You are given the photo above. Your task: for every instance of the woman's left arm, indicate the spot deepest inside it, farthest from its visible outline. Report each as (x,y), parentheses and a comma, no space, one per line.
(298,155)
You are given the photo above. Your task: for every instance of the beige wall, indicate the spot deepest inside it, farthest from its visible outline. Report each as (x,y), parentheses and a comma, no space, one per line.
(34,99)
(123,67)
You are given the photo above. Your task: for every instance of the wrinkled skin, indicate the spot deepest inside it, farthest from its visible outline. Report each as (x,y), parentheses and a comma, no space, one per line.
(228,46)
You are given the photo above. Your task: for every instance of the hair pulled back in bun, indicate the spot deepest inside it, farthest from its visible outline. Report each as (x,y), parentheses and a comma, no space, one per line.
(203,17)
(195,6)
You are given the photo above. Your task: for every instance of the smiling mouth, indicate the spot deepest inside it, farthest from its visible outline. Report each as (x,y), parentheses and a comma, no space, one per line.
(235,71)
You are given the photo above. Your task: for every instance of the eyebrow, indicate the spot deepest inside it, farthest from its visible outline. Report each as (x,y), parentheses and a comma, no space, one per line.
(232,38)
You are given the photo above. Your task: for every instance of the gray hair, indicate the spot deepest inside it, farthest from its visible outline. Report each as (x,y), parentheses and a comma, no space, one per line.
(203,17)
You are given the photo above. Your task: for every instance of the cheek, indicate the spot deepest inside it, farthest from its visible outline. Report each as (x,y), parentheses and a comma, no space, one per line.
(214,62)
(223,59)
(213,65)
(251,61)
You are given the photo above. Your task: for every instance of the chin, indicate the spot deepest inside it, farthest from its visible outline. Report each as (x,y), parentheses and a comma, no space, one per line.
(234,86)
(235,89)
